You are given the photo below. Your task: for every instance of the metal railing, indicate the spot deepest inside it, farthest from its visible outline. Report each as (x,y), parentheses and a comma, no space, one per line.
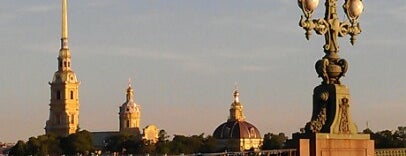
(278,152)
(390,152)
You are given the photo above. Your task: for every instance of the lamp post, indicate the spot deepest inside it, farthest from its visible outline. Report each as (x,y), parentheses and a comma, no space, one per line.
(331,130)
(330,68)
(331,99)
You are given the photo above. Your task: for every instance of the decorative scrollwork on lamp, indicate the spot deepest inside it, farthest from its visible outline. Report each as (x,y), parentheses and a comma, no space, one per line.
(331,67)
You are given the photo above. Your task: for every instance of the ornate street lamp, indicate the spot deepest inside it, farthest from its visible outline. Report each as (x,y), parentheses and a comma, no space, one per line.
(331,99)
(331,130)
(331,67)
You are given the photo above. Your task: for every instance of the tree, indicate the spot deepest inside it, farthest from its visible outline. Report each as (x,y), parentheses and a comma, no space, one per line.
(80,142)
(19,149)
(187,145)
(129,144)
(163,145)
(50,144)
(34,147)
(115,143)
(388,139)
(209,145)
(272,141)
(384,139)
(132,145)
(400,135)
(148,147)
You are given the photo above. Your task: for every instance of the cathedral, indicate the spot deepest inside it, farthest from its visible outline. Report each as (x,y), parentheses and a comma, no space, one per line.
(236,134)
(64,101)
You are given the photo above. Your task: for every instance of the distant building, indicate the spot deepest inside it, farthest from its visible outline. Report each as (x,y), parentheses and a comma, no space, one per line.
(129,119)
(237,134)
(64,105)
(130,113)
(151,133)
(64,101)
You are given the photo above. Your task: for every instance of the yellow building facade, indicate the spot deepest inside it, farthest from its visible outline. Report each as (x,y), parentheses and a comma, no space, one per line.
(64,102)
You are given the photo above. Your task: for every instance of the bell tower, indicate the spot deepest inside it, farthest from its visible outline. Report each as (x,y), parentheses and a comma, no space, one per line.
(64,101)
(130,113)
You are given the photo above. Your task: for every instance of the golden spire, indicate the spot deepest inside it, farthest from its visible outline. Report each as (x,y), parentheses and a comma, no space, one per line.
(64,39)
(64,58)
(129,82)
(130,91)
(236,93)
(236,112)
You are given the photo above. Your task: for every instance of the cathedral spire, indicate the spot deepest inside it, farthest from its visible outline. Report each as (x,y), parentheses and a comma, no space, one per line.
(64,58)
(130,92)
(129,82)
(64,106)
(64,39)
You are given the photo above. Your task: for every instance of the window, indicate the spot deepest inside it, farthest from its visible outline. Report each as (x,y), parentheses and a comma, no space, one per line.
(64,63)
(252,133)
(71,95)
(60,64)
(58,95)
(68,64)
(72,119)
(128,123)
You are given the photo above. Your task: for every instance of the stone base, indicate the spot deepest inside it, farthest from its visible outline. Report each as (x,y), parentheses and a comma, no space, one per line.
(325,144)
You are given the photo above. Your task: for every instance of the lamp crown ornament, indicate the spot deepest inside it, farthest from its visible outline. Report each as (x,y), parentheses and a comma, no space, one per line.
(331,67)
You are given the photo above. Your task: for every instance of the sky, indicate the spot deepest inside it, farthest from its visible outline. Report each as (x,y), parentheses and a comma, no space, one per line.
(184,57)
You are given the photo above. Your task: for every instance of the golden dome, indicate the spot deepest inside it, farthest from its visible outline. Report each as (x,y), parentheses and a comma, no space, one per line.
(236,130)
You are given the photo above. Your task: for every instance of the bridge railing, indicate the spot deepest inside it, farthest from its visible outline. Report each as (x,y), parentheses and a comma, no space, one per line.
(293,152)
(278,152)
(390,152)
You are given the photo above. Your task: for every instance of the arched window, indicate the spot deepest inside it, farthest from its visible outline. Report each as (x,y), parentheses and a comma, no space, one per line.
(64,63)
(252,133)
(71,95)
(128,123)
(72,119)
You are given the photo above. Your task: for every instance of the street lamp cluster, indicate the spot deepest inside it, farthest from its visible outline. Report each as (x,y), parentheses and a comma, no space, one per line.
(331,67)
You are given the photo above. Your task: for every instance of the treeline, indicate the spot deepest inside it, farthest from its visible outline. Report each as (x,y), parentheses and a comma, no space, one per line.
(81,143)
(126,144)
(180,144)
(388,139)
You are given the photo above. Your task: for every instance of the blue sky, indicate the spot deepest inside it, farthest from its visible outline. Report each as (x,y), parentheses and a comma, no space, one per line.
(184,58)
